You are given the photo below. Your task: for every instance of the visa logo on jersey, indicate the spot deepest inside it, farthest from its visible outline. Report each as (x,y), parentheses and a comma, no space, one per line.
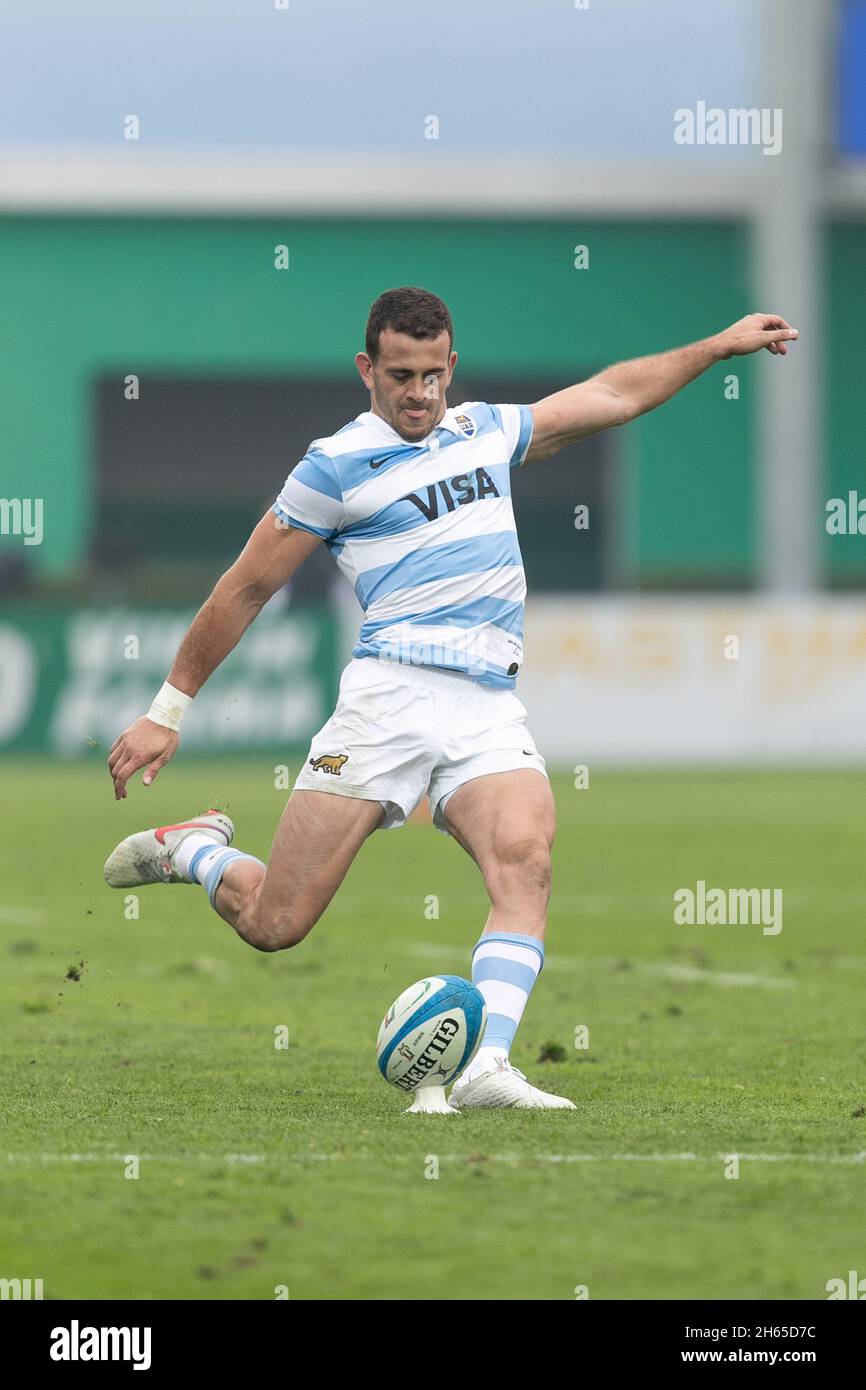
(454,492)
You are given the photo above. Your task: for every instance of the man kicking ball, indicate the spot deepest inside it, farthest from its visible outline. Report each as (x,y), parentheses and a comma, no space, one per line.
(413,501)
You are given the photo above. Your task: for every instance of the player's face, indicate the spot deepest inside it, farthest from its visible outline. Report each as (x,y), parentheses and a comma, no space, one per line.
(408,381)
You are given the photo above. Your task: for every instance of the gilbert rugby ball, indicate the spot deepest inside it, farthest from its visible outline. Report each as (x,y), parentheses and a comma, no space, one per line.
(431,1032)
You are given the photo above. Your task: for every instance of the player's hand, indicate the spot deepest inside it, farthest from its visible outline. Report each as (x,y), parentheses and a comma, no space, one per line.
(143,744)
(757,331)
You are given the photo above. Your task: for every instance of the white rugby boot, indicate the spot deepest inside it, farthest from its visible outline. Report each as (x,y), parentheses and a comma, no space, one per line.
(499,1084)
(148,856)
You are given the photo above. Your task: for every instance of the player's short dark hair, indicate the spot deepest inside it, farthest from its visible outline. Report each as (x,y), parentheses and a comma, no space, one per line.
(409,310)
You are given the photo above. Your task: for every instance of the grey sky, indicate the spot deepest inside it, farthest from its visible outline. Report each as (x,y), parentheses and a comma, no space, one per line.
(500,74)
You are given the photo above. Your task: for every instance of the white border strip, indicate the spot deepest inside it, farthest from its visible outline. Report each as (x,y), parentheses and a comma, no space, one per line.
(429,184)
(247,1160)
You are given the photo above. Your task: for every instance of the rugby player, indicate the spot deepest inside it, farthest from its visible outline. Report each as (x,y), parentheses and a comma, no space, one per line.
(412,498)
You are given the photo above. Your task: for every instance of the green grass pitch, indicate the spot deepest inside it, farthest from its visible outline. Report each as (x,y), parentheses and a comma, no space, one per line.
(262,1167)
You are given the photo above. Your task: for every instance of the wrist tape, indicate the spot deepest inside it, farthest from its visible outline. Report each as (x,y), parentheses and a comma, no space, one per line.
(169,707)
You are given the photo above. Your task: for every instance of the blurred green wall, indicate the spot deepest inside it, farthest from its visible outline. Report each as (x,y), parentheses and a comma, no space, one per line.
(83,296)
(845,366)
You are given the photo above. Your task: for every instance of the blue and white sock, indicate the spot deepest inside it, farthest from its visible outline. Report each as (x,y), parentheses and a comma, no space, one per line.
(505,966)
(189,848)
(209,863)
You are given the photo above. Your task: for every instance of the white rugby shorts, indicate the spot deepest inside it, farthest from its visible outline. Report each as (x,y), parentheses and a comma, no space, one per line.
(399,731)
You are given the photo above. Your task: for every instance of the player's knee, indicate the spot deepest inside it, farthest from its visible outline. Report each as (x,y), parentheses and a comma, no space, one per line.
(279,931)
(523,864)
(278,939)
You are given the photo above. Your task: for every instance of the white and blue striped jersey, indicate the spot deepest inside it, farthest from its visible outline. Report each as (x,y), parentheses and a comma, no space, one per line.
(425,534)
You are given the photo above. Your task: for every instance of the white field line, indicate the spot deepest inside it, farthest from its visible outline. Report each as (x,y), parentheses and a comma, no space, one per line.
(21,916)
(676,1158)
(428,950)
(718,977)
(24,1159)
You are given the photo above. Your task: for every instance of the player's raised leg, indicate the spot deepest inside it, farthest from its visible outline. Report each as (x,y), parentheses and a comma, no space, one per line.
(270,906)
(317,838)
(506,821)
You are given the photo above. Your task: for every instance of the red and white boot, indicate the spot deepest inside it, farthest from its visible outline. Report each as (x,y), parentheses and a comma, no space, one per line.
(149,855)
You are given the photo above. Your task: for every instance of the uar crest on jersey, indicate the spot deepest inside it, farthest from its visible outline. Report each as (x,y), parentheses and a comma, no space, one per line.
(453,492)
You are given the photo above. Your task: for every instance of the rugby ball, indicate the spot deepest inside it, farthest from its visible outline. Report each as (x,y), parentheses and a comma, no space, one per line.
(431,1033)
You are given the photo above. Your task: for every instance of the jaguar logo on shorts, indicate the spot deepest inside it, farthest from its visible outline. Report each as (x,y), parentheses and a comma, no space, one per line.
(329,762)
(466,425)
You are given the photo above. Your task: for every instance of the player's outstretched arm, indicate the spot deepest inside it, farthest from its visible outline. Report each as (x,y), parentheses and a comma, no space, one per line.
(628,389)
(267,562)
